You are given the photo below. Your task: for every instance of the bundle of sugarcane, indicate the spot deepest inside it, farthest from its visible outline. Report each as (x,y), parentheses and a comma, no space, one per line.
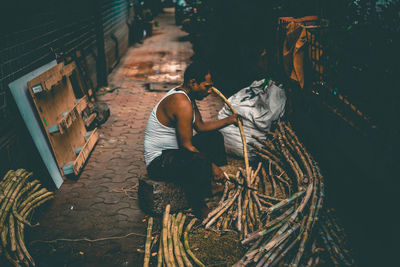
(171,250)
(240,206)
(293,233)
(19,196)
(283,227)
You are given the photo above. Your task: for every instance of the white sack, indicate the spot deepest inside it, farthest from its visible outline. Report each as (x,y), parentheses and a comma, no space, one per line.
(259,105)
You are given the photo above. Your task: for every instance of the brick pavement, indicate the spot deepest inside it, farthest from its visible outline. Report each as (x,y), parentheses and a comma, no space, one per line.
(103,201)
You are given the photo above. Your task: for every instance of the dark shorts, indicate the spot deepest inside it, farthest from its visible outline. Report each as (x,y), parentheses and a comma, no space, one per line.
(189,169)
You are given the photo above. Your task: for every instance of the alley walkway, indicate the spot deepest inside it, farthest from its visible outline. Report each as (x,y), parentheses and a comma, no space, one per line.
(103,203)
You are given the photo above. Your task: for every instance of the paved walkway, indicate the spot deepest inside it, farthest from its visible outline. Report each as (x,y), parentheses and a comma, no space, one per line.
(103,203)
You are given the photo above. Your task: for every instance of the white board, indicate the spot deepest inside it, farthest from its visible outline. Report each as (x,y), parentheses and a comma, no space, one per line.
(19,90)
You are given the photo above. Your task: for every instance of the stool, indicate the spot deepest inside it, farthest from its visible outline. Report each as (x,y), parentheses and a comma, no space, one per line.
(155,195)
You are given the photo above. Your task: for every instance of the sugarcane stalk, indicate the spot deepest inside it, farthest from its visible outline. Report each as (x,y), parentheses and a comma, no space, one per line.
(329,248)
(228,217)
(148,243)
(219,222)
(245,154)
(182,249)
(297,149)
(278,177)
(225,193)
(15,205)
(6,179)
(334,246)
(254,175)
(245,225)
(228,204)
(184,256)
(269,197)
(178,219)
(20,239)
(171,219)
(37,199)
(260,233)
(271,259)
(277,166)
(257,214)
(292,162)
(310,220)
(215,211)
(6,184)
(239,213)
(181,224)
(12,233)
(4,234)
(20,228)
(160,255)
(249,218)
(266,152)
(285,202)
(165,235)
(269,256)
(10,259)
(20,178)
(31,197)
(175,240)
(328,226)
(186,242)
(21,256)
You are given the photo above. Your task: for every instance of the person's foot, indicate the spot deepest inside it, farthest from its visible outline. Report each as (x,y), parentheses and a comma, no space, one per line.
(204,212)
(216,188)
(217,172)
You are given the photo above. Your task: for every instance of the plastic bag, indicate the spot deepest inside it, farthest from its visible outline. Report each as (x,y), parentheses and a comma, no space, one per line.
(259,105)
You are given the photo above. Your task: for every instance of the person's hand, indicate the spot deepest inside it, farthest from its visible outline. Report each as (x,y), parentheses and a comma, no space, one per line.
(234,119)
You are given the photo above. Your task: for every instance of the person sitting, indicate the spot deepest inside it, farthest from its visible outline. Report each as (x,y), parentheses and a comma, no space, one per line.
(171,151)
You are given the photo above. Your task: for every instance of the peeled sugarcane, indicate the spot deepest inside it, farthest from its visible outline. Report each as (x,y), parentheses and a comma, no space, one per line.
(148,243)
(182,249)
(171,250)
(160,254)
(186,243)
(246,159)
(175,240)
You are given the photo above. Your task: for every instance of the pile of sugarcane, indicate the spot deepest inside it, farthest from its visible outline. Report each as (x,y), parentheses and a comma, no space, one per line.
(171,250)
(291,229)
(19,196)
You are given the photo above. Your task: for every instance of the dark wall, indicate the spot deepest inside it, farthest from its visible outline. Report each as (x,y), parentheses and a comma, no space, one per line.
(33,32)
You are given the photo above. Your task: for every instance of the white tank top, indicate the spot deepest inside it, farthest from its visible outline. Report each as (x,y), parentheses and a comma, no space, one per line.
(159,137)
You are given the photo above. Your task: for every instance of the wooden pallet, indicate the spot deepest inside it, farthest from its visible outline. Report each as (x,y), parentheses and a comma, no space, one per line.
(60,113)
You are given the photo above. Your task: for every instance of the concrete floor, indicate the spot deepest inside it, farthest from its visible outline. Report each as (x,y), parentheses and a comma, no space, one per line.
(103,203)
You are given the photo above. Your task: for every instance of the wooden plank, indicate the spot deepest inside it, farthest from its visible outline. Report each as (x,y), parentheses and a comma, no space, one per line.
(67,119)
(52,81)
(67,70)
(85,152)
(60,114)
(48,75)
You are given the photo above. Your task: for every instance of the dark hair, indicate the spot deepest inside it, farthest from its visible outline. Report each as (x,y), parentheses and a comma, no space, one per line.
(197,71)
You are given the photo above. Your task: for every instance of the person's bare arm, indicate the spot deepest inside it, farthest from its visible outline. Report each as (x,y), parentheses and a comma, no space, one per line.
(202,126)
(183,110)
(183,117)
